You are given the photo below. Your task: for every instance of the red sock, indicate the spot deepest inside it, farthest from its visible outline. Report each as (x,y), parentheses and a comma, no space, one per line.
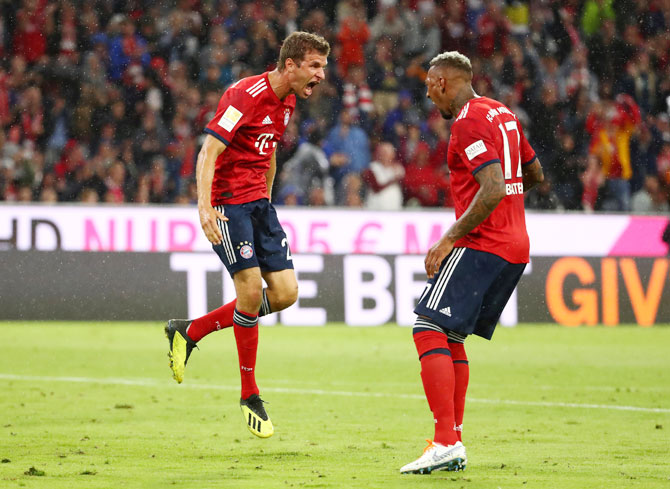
(461,376)
(217,319)
(437,374)
(245,326)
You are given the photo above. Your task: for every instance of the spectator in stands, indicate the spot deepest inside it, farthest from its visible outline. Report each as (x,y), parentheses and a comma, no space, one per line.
(382,179)
(543,197)
(357,96)
(545,114)
(384,80)
(430,37)
(29,40)
(592,184)
(565,173)
(353,190)
(150,141)
(455,33)
(576,76)
(594,12)
(308,169)
(641,83)
(644,148)
(493,30)
(126,49)
(608,52)
(388,23)
(663,164)
(611,134)
(115,183)
(424,185)
(650,198)
(352,36)
(348,150)
(398,119)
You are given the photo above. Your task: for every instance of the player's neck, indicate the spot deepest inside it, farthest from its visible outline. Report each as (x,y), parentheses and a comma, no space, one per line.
(279,84)
(463,97)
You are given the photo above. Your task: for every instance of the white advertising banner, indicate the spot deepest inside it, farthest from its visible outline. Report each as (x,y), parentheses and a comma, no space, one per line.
(131,228)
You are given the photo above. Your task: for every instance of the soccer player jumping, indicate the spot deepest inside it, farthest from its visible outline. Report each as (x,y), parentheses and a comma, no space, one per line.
(473,269)
(235,171)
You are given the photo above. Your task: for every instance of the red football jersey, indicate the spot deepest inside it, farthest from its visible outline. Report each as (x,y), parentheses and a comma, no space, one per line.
(250,120)
(487,132)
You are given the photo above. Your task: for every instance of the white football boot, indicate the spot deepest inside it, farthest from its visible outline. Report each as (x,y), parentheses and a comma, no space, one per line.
(438,457)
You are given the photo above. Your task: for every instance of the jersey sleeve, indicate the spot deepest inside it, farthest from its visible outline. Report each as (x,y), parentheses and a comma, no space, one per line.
(475,144)
(231,114)
(525,149)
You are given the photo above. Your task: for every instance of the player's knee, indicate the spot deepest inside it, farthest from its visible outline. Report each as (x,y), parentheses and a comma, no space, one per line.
(287,296)
(250,299)
(458,351)
(428,342)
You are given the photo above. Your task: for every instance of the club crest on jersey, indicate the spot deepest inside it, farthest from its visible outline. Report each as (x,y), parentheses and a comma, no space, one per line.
(246,251)
(287,116)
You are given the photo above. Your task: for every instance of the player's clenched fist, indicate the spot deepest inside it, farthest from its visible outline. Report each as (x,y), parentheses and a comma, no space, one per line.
(209,224)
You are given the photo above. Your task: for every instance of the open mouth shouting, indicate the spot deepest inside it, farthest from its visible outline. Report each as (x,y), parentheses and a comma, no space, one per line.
(309,88)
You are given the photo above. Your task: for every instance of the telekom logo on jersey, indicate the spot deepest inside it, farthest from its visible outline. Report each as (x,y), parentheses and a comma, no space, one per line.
(264,142)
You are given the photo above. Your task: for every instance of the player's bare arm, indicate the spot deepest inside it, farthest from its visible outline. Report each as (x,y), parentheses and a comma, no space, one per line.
(532,175)
(204,174)
(491,192)
(270,174)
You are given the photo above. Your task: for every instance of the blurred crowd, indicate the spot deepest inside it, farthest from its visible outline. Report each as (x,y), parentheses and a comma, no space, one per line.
(106,101)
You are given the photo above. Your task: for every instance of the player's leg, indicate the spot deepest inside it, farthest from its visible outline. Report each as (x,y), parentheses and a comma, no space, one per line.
(494,300)
(222,317)
(276,262)
(249,287)
(281,292)
(450,304)
(496,297)
(444,452)
(437,376)
(461,378)
(183,334)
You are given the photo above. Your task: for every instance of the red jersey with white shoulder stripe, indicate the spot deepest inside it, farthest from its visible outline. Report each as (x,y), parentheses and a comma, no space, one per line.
(484,133)
(250,120)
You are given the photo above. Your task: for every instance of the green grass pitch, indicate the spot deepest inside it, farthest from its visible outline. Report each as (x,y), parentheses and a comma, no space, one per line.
(94,406)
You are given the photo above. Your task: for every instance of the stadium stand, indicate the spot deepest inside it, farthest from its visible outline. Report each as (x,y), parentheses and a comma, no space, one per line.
(106,101)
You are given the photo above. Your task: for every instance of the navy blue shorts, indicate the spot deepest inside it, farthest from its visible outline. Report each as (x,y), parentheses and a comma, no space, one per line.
(252,237)
(469,292)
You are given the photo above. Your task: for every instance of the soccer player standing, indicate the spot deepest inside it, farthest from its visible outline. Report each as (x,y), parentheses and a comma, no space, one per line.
(473,269)
(235,171)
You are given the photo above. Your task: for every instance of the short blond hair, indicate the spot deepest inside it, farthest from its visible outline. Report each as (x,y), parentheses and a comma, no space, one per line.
(453,59)
(298,44)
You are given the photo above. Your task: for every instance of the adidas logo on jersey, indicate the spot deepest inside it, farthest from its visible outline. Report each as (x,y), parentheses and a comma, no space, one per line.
(446,311)
(267,120)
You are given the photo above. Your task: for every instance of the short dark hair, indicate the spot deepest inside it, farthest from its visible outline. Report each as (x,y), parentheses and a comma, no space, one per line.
(453,59)
(298,44)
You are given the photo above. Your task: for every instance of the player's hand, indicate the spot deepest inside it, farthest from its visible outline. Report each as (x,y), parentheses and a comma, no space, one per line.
(209,224)
(436,255)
